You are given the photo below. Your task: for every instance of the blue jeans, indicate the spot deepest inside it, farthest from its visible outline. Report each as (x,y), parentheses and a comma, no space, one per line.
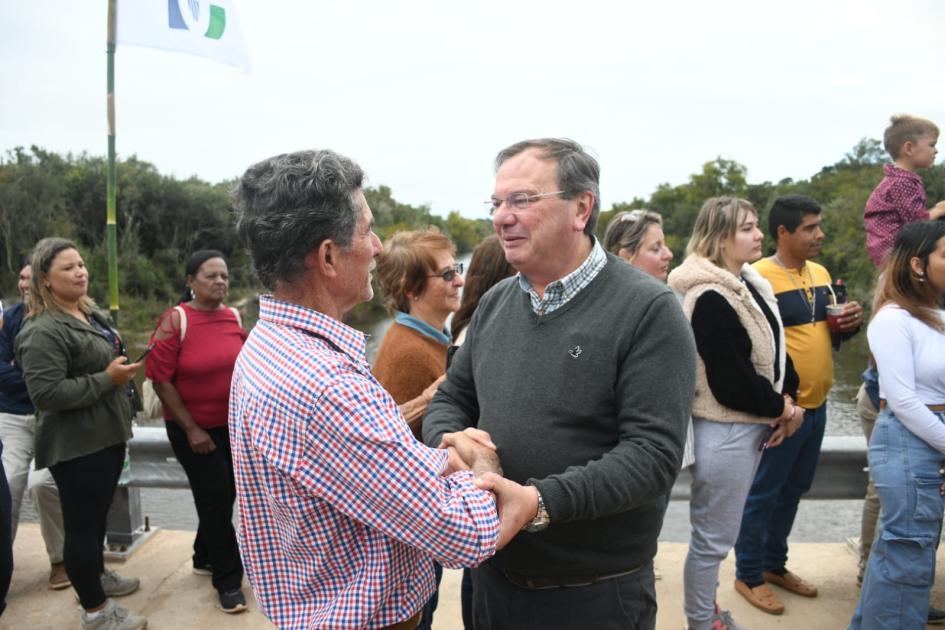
(786,472)
(901,567)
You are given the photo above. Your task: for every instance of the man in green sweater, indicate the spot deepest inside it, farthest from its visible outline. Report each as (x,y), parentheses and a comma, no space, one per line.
(582,370)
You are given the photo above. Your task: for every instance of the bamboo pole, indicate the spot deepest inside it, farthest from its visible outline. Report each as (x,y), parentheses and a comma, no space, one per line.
(111,228)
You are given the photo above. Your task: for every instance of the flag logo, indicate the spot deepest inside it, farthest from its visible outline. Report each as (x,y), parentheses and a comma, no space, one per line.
(196,16)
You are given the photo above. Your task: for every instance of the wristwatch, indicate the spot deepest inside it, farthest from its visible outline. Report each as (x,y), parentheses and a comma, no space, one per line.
(542,519)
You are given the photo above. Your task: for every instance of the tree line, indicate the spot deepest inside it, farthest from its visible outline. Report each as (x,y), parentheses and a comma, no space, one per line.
(161,219)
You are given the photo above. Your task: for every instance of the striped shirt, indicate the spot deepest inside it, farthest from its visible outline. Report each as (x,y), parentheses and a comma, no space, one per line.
(560,292)
(342,511)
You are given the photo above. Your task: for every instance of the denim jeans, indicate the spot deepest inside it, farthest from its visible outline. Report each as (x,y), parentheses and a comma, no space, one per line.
(786,472)
(901,567)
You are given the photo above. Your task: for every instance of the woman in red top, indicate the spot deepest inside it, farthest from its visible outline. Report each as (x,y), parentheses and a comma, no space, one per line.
(191,365)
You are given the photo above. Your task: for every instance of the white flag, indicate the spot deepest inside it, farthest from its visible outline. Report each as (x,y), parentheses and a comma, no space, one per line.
(197,27)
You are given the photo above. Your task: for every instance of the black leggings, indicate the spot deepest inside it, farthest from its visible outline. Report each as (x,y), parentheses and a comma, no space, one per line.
(86,487)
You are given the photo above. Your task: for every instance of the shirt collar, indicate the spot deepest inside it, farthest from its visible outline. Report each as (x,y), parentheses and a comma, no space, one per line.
(404,319)
(563,290)
(344,337)
(891,170)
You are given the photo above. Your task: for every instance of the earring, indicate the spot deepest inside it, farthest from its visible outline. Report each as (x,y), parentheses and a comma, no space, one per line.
(191,294)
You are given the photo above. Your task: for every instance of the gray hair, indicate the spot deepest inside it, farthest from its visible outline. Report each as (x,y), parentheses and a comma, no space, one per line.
(578,172)
(289,204)
(627,229)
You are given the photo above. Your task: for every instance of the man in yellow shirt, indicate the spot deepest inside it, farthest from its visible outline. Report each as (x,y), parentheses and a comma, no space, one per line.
(803,289)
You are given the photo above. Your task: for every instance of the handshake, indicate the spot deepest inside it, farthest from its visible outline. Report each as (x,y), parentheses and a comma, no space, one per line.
(473,449)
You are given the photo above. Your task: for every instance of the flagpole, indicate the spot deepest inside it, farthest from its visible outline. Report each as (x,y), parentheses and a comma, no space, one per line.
(111,230)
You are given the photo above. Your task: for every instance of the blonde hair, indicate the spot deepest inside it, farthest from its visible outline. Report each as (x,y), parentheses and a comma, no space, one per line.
(904,128)
(40,298)
(716,223)
(408,258)
(627,229)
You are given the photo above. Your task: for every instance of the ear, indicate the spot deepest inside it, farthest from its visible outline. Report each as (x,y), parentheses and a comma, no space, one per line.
(783,231)
(625,254)
(323,259)
(585,206)
(916,264)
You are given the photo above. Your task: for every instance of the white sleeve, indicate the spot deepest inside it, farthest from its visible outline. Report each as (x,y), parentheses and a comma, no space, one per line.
(892,341)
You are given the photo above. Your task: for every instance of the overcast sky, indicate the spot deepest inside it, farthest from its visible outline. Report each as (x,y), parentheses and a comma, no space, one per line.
(424,93)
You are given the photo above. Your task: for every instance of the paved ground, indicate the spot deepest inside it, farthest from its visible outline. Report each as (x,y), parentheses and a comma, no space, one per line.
(173,598)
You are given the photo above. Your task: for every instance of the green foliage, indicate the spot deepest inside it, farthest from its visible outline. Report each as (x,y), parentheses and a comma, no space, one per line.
(842,190)
(161,220)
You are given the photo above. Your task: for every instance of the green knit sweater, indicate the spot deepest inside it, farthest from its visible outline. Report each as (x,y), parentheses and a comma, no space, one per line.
(589,403)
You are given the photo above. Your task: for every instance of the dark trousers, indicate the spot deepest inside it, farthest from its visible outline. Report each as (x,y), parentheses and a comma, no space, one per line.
(214,490)
(6,539)
(86,487)
(465,598)
(785,473)
(623,603)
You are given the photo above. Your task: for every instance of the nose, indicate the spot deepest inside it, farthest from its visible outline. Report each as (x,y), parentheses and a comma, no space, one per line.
(667,254)
(458,281)
(502,216)
(376,245)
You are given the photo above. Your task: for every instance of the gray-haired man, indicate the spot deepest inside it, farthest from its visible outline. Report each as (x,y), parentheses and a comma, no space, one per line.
(582,370)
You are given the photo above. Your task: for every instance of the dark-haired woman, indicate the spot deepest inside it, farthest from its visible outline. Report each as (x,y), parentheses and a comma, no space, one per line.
(79,380)
(907,448)
(195,348)
(487,266)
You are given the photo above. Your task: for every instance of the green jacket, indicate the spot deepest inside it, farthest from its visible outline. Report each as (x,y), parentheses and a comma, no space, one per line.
(78,409)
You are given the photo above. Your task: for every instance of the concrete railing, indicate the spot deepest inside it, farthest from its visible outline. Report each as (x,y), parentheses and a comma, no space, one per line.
(840,475)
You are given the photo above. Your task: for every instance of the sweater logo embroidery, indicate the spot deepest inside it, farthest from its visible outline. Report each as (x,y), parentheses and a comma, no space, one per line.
(575,352)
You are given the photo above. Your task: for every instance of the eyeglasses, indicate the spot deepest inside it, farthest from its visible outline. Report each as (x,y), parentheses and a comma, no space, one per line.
(518,200)
(450,274)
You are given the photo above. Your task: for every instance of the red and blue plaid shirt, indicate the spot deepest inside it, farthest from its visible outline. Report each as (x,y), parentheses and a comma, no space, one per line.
(342,511)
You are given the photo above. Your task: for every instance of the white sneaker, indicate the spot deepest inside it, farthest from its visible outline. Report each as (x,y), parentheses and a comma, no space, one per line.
(116,585)
(112,617)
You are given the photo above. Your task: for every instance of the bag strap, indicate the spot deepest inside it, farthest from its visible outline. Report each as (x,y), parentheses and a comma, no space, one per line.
(183,321)
(236,313)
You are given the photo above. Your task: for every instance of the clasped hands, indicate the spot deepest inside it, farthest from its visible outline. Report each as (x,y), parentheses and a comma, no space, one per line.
(784,426)
(473,449)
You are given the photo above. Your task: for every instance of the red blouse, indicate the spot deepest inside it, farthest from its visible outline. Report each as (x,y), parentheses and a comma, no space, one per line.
(200,367)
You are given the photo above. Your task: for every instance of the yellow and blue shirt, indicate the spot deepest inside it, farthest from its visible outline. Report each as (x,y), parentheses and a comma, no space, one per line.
(808,343)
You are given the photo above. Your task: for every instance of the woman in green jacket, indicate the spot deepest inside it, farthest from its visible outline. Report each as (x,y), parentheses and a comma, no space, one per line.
(78,378)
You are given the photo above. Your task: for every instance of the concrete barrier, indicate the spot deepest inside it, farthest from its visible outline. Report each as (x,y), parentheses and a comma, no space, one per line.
(841,474)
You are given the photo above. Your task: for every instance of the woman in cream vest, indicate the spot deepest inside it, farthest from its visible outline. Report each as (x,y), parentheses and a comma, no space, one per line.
(745,384)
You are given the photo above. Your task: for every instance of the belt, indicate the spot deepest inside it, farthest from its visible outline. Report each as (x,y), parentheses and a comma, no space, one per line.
(543,583)
(935,408)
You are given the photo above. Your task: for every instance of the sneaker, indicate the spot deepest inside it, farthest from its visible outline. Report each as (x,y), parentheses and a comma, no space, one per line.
(203,569)
(936,616)
(58,579)
(722,620)
(232,602)
(116,585)
(112,617)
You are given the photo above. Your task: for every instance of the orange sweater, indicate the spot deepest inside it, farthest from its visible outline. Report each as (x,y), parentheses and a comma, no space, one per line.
(408,362)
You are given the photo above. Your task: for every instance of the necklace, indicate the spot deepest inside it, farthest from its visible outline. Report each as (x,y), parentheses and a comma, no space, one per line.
(809,299)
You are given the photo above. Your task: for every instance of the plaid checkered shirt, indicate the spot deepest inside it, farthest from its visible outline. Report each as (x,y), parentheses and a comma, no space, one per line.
(560,292)
(342,511)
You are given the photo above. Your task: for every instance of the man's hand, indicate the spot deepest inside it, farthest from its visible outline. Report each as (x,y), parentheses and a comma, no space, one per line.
(852,317)
(475,448)
(517,505)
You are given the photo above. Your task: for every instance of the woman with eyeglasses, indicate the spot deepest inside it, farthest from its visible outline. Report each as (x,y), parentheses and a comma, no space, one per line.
(637,237)
(745,388)
(420,282)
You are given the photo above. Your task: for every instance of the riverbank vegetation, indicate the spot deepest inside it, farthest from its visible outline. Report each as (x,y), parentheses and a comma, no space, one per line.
(162,219)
